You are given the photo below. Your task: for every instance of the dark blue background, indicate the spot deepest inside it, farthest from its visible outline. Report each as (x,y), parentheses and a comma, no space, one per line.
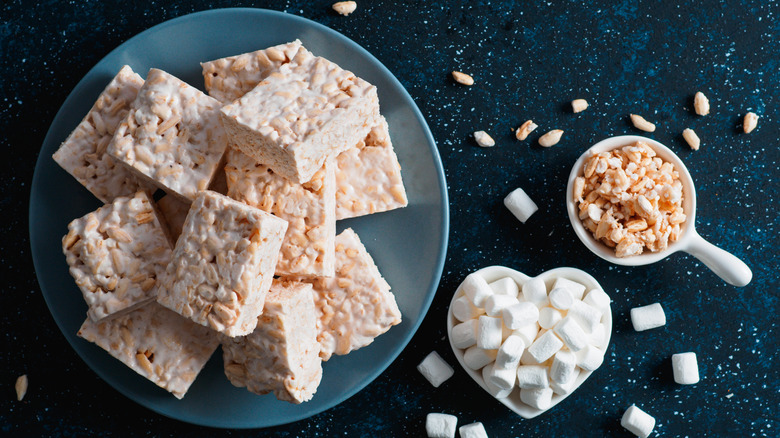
(529,59)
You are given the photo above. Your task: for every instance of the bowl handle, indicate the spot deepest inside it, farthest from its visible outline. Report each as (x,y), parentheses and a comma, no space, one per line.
(724,264)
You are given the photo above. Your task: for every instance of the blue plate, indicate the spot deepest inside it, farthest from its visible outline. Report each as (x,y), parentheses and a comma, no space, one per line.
(408,245)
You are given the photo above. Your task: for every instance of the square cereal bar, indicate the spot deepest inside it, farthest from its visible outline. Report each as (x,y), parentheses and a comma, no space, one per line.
(172,136)
(83,154)
(307,111)
(173,211)
(368,176)
(310,210)
(282,354)
(223,264)
(227,79)
(356,305)
(117,254)
(164,347)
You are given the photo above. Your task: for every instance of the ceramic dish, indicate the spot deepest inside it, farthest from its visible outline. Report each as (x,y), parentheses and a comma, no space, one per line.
(493,273)
(408,245)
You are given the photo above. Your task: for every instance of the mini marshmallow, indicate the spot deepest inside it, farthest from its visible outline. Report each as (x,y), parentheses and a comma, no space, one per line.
(686,370)
(575,289)
(532,377)
(495,304)
(489,333)
(440,425)
(548,317)
(435,369)
(545,346)
(520,204)
(476,358)
(598,299)
(473,430)
(571,334)
(503,378)
(527,332)
(566,388)
(463,310)
(464,335)
(638,422)
(599,336)
(493,389)
(648,317)
(561,298)
(505,286)
(537,398)
(508,356)
(535,291)
(476,288)
(564,367)
(520,314)
(587,316)
(590,358)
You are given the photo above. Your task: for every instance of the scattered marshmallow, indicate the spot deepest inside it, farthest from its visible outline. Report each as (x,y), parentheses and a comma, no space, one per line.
(476,358)
(561,298)
(545,346)
(440,425)
(535,291)
(505,286)
(463,310)
(520,314)
(548,317)
(638,422)
(473,430)
(587,316)
(435,369)
(576,289)
(598,299)
(686,369)
(464,335)
(566,388)
(520,204)
(508,356)
(590,358)
(495,304)
(537,398)
(503,378)
(476,288)
(532,377)
(572,335)
(489,332)
(527,332)
(648,317)
(564,367)
(493,389)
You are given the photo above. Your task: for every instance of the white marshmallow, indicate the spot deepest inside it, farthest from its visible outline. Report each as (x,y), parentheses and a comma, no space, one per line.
(590,358)
(463,310)
(520,204)
(532,377)
(599,336)
(566,388)
(686,369)
(476,358)
(435,369)
(473,430)
(535,291)
(561,298)
(537,398)
(545,346)
(587,316)
(464,335)
(476,288)
(505,286)
(440,425)
(564,367)
(648,317)
(638,422)
(520,314)
(571,334)
(527,332)
(598,299)
(489,332)
(527,359)
(493,389)
(575,289)
(503,378)
(508,356)
(495,304)
(548,317)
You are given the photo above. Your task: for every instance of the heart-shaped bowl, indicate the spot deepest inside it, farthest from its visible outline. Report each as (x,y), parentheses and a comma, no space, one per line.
(493,273)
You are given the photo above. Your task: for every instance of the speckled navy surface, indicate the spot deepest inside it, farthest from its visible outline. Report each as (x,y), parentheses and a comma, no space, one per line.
(528,61)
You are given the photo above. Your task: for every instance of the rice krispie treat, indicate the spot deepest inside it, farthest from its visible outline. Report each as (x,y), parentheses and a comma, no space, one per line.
(173,211)
(356,305)
(223,264)
(310,210)
(164,347)
(83,154)
(282,354)
(117,254)
(172,136)
(307,111)
(368,176)
(227,79)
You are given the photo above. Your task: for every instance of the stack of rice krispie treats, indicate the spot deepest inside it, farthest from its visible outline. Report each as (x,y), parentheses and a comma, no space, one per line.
(219,220)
